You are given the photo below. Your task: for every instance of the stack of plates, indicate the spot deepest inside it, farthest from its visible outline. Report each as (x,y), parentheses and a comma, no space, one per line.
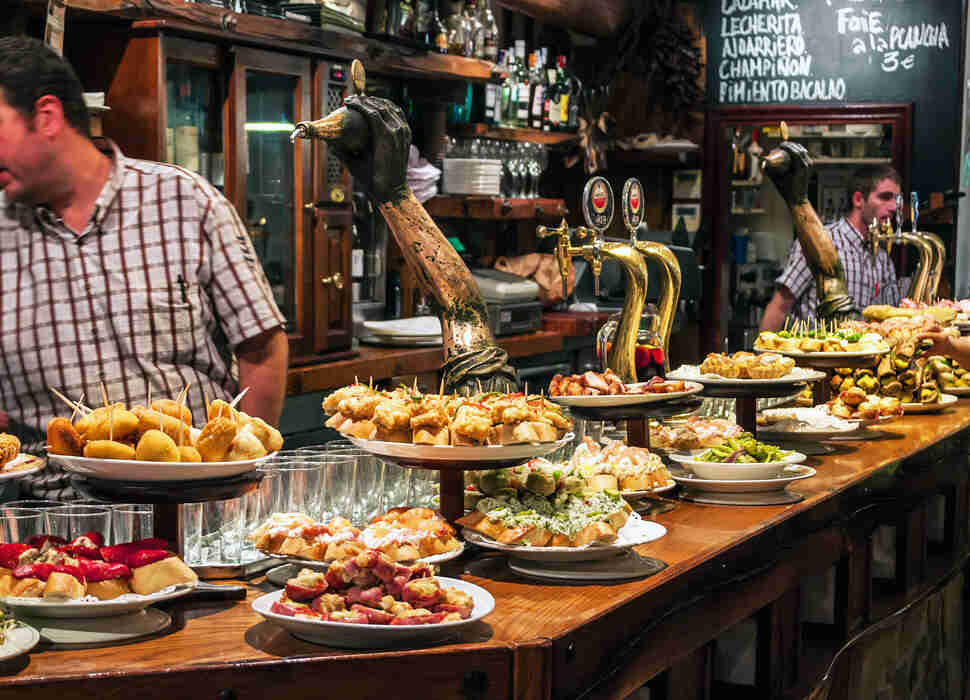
(407,332)
(472,176)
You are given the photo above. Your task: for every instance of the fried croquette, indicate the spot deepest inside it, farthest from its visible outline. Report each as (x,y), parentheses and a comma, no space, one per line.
(245,446)
(215,439)
(174,409)
(63,438)
(187,453)
(156,446)
(108,449)
(113,423)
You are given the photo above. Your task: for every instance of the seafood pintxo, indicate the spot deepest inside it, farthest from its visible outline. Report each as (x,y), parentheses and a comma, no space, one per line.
(403,534)
(408,416)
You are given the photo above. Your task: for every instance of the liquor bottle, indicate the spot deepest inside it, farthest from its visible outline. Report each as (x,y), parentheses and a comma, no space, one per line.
(456,30)
(489,32)
(506,92)
(422,21)
(401,19)
(437,32)
(537,94)
(523,92)
(754,156)
(564,93)
(473,30)
(356,264)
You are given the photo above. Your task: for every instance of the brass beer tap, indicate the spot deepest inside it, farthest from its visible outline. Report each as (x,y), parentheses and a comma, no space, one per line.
(633,217)
(598,211)
(936,269)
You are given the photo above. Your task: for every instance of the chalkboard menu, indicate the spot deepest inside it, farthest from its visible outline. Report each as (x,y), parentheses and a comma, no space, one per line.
(845,51)
(777,51)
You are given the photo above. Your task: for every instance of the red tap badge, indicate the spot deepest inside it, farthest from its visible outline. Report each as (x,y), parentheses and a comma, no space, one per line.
(632,203)
(598,203)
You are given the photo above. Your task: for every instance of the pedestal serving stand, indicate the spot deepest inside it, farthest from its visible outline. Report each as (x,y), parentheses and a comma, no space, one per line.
(822,390)
(746,397)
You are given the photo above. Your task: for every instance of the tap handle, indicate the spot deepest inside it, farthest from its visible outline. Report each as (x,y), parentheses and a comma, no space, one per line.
(562,230)
(598,205)
(631,203)
(900,213)
(914,199)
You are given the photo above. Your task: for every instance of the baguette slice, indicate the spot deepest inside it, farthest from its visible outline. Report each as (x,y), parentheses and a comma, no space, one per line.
(363,429)
(153,577)
(596,532)
(432,436)
(458,439)
(108,589)
(402,435)
(62,585)
(336,420)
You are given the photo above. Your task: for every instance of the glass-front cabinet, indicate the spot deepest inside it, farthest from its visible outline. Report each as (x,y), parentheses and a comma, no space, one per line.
(750,225)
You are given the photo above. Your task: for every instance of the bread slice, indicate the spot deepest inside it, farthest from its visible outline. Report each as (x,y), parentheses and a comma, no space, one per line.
(402,435)
(431,436)
(336,420)
(6,582)
(152,578)
(27,588)
(458,439)
(598,482)
(108,589)
(598,531)
(363,429)
(538,537)
(534,431)
(62,585)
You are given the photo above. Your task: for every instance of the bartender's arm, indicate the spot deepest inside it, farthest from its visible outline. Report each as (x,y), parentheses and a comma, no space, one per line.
(956,348)
(263,361)
(777,310)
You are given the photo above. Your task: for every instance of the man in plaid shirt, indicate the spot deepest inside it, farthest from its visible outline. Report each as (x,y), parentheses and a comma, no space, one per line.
(116,270)
(870,280)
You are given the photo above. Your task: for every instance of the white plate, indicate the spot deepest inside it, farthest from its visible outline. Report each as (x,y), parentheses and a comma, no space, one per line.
(945,400)
(419,326)
(135,470)
(626,565)
(633,495)
(447,454)
(401,341)
(130,602)
(827,355)
(733,471)
(636,531)
(324,565)
(19,640)
(797,375)
(354,636)
(958,390)
(101,631)
(790,474)
(7,473)
(625,399)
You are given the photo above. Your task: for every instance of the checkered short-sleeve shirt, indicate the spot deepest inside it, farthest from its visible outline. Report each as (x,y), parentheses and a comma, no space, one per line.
(871,280)
(160,287)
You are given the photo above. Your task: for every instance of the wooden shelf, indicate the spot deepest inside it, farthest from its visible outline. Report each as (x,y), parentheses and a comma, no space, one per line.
(851,161)
(658,159)
(458,206)
(215,22)
(502,133)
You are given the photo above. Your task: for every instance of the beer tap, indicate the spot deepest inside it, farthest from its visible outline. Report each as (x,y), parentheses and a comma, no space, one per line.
(598,209)
(633,218)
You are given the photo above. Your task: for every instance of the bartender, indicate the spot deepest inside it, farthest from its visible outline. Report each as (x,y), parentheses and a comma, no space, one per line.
(118,271)
(870,280)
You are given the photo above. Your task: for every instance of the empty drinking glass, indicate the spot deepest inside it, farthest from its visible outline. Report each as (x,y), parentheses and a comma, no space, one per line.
(302,485)
(132,521)
(340,485)
(72,521)
(367,497)
(20,524)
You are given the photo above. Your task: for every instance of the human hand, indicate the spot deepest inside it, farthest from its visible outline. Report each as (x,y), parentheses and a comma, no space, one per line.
(381,168)
(791,179)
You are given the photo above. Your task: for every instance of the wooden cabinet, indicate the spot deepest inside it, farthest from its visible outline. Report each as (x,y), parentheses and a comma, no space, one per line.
(226,111)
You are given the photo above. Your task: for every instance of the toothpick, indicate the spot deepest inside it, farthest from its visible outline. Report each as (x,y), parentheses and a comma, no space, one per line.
(149,398)
(183,394)
(77,407)
(441,385)
(69,402)
(205,397)
(160,422)
(479,382)
(238,398)
(111,423)
(181,408)
(104,395)
(371,383)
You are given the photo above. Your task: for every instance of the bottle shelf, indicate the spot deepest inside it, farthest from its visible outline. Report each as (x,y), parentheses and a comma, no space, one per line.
(656,158)
(460,206)
(504,133)
(851,161)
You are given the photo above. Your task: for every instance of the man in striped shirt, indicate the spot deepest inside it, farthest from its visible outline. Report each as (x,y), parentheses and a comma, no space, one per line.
(870,279)
(115,270)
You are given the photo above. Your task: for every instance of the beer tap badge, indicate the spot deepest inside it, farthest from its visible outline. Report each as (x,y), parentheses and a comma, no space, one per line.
(632,203)
(598,203)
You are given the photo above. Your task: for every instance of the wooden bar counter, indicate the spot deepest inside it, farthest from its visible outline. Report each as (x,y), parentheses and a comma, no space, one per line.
(544,639)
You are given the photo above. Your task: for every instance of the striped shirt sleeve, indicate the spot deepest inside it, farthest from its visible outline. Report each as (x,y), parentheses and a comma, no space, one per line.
(796,276)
